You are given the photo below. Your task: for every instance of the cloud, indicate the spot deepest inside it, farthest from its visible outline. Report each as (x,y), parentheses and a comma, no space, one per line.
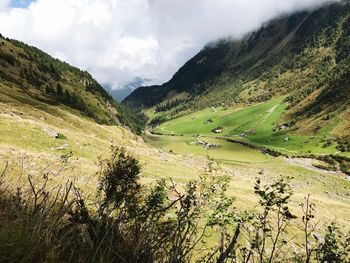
(4,5)
(118,40)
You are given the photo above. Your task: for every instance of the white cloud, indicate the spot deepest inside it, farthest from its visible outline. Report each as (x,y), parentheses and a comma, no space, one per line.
(4,5)
(118,40)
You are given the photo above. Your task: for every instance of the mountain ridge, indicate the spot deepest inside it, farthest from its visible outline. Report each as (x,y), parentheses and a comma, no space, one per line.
(299,56)
(52,81)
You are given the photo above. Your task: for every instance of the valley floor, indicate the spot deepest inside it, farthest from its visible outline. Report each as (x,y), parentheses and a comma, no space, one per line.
(261,124)
(330,191)
(26,144)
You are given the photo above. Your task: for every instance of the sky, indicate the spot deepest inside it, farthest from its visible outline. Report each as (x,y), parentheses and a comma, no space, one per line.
(20,3)
(119,40)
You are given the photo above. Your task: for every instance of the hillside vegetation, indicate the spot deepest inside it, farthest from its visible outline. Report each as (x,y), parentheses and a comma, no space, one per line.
(77,184)
(260,124)
(53,82)
(161,222)
(304,57)
(40,138)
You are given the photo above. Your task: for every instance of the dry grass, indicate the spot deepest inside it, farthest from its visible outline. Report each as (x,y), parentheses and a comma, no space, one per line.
(22,135)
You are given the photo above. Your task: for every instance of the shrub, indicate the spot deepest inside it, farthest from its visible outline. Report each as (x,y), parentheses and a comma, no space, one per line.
(132,222)
(61,136)
(10,59)
(335,248)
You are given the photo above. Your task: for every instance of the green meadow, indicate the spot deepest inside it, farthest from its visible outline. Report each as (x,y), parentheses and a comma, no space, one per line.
(227,152)
(256,124)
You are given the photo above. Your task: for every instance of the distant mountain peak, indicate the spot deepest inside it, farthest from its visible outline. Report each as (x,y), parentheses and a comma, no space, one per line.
(120,93)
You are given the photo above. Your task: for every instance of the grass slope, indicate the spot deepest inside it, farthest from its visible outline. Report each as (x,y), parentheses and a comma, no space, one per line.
(51,81)
(304,56)
(24,123)
(261,124)
(227,153)
(26,145)
(27,112)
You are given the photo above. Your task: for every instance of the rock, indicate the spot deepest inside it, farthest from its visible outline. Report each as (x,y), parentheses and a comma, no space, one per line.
(139,139)
(64,146)
(319,238)
(211,146)
(52,133)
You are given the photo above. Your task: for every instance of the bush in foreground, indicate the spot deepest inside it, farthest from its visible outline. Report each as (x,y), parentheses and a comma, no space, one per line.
(166,222)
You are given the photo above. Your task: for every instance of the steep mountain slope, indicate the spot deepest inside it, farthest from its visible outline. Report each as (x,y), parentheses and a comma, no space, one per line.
(56,127)
(304,56)
(51,81)
(51,112)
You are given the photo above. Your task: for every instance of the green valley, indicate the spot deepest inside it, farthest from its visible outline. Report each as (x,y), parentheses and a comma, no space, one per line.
(283,89)
(302,58)
(243,156)
(260,124)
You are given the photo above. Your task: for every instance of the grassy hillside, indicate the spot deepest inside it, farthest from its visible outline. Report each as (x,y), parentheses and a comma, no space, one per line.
(53,82)
(260,124)
(27,117)
(50,110)
(30,116)
(26,145)
(304,56)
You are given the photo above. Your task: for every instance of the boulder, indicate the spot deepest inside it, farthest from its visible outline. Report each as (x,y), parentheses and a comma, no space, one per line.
(52,133)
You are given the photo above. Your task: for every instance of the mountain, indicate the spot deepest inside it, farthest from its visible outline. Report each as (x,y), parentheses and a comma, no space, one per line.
(76,186)
(45,80)
(121,93)
(304,57)
(51,112)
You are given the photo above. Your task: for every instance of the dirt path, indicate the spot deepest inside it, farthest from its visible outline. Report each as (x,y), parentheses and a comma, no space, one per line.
(164,130)
(269,112)
(304,163)
(307,164)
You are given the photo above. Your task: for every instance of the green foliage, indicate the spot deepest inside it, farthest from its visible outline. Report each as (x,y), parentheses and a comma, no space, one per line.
(119,180)
(168,105)
(132,222)
(273,222)
(52,81)
(141,223)
(303,56)
(59,89)
(61,136)
(335,248)
(343,147)
(132,118)
(9,58)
